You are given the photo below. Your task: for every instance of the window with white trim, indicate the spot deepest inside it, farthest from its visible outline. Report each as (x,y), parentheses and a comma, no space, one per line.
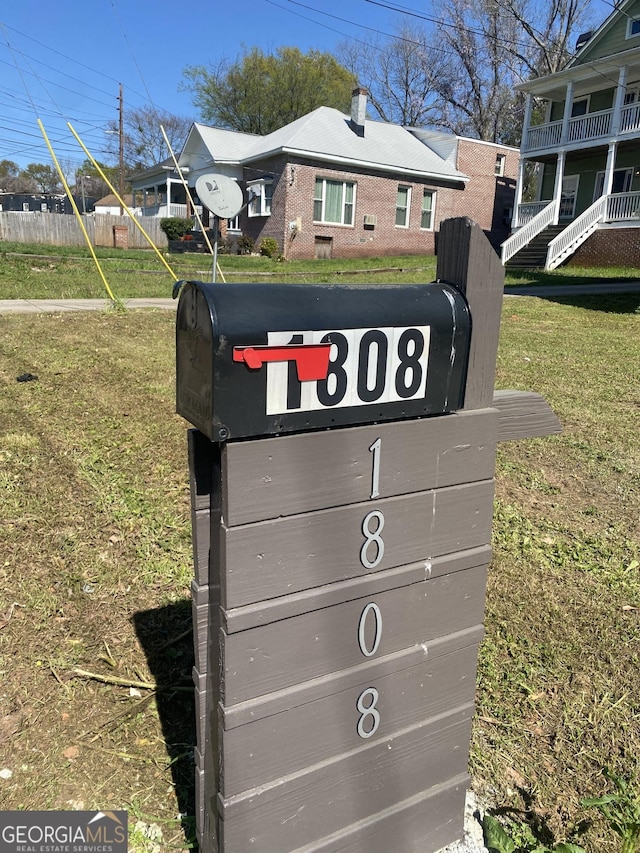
(633,27)
(403,206)
(233,224)
(580,107)
(334,201)
(262,192)
(25,205)
(631,94)
(501,159)
(621,183)
(428,206)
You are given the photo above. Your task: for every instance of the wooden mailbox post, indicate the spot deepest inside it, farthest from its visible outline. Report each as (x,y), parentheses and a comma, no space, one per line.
(342,494)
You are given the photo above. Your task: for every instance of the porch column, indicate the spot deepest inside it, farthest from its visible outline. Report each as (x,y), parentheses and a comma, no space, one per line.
(619,101)
(189,205)
(557,188)
(144,201)
(168,191)
(517,201)
(528,106)
(611,164)
(568,106)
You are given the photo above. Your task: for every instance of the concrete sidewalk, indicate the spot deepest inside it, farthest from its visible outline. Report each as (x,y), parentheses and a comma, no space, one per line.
(49,306)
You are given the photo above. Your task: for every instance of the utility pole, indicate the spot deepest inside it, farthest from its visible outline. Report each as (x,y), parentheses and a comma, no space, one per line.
(121,147)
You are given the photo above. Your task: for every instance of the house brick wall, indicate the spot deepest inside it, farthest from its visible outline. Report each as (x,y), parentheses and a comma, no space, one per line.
(376,196)
(484,199)
(618,247)
(487,198)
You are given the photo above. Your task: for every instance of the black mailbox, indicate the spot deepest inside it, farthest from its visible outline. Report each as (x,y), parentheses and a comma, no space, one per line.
(259,360)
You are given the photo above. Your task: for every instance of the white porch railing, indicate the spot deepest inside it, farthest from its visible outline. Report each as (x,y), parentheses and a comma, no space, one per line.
(582,128)
(543,136)
(630,118)
(181,210)
(622,206)
(528,210)
(575,234)
(589,126)
(524,235)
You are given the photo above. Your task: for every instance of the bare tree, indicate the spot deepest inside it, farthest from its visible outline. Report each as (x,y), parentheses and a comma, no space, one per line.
(399,73)
(477,98)
(143,143)
(548,31)
(461,74)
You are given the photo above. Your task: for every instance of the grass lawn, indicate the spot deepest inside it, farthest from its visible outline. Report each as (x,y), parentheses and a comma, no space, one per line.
(47,272)
(97,564)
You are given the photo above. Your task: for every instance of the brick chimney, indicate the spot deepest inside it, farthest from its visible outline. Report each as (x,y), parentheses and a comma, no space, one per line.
(358,110)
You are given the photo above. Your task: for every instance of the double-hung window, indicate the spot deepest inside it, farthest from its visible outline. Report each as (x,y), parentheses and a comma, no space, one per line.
(262,191)
(334,201)
(428,204)
(403,206)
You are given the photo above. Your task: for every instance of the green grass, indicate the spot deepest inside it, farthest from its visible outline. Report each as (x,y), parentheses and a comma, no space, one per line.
(29,271)
(97,564)
(572,275)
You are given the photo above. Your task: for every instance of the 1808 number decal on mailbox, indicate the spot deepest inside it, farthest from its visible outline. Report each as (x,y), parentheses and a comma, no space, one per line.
(366,367)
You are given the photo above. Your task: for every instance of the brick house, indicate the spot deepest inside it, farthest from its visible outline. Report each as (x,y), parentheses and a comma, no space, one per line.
(344,186)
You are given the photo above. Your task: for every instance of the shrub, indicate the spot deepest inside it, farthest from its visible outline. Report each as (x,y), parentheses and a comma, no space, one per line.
(175,227)
(269,247)
(245,244)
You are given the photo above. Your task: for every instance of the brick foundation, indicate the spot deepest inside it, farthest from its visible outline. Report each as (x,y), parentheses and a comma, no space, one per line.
(619,247)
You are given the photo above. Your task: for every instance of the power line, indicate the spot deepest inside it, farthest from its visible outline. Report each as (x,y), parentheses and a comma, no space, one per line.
(370,45)
(412,13)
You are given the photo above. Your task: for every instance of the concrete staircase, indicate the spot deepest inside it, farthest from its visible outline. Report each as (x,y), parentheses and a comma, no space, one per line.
(534,254)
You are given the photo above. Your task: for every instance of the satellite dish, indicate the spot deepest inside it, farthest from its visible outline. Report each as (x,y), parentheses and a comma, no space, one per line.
(220,194)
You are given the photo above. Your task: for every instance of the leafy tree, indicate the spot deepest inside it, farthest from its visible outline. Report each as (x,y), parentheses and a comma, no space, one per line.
(87,175)
(9,169)
(143,142)
(44,177)
(259,93)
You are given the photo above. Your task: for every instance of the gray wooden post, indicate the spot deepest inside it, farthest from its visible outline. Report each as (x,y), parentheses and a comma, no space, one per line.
(467,260)
(338,603)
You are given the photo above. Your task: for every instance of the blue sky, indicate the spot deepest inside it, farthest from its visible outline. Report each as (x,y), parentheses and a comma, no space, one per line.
(63,61)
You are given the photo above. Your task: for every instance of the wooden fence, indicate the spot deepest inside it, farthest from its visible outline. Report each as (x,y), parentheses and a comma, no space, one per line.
(57,229)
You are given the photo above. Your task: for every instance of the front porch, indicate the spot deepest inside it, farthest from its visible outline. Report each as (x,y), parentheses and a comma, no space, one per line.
(542,242)
(592,127)
(164,210)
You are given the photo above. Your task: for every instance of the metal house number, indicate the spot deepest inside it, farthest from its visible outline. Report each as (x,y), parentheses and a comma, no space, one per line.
(371,554)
